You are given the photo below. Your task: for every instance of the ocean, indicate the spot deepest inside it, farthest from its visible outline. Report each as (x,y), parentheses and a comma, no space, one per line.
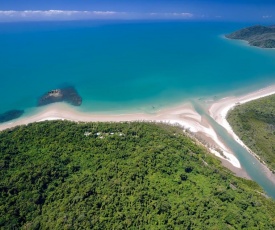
(127,65)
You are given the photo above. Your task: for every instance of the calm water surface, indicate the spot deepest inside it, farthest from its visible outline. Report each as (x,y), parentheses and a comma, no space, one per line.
(123,66)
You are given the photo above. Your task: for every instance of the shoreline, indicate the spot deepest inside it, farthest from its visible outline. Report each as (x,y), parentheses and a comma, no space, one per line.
(184,115)
(219,110)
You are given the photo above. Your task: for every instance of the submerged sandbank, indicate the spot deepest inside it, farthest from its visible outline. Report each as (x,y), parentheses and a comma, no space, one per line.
(184,115)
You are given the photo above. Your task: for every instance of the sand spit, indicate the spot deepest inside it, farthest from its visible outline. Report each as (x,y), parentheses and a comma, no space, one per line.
(219,109)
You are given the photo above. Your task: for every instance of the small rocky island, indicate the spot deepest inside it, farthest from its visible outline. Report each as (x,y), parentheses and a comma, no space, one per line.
(260,36)
(10,115)
(67,94)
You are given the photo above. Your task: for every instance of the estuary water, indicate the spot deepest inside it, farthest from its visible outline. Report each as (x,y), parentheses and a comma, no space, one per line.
(249,163)
(132,66)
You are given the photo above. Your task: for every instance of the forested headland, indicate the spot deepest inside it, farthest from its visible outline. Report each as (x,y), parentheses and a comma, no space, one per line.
(66,175)
(260,36)
(254,123)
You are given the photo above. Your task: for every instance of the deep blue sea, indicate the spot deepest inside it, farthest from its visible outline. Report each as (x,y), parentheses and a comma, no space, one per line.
(123,66)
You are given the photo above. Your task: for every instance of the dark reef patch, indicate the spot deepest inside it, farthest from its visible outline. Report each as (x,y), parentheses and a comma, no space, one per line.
(10,115)
(67,94)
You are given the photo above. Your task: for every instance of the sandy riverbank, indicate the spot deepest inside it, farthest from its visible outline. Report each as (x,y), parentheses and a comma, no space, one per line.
(219,109)
(185,115)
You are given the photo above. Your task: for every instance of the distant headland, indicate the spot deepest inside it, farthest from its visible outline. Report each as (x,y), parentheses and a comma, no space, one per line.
(68,94)
(260,36)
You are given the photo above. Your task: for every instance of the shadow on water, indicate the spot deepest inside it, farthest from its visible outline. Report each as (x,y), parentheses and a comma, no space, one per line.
(249,163)
(10,115)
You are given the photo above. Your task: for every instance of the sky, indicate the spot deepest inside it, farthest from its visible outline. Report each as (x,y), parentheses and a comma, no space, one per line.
(222,10)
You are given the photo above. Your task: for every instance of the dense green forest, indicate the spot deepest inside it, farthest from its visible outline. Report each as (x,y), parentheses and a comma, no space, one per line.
(66,175)
(254,123)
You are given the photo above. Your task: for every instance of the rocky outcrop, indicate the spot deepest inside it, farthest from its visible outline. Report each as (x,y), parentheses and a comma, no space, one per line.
(68,94)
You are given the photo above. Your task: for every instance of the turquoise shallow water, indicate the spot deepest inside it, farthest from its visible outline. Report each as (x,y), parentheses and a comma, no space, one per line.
(132,66)
(123,66)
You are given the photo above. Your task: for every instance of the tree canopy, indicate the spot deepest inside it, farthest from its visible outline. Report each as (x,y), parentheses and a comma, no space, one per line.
(66,175)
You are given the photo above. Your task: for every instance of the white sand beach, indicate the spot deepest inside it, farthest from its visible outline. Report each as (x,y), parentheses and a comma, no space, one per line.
(219,109)
(185,115)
